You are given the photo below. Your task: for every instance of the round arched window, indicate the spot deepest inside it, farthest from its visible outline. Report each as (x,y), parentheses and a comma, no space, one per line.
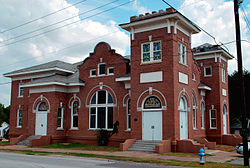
(152,102)
(183,104)
(101,110)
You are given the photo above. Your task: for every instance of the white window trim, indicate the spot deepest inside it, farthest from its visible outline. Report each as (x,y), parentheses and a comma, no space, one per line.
(90,73)
(109,69)
(183,62)
(151,52)
(210,119)
(202,116)
(99,69)
(223,75)
(18,124)
(72,108)
(106,105)
(194,112)
(19,88)
(127,117)
(62,111)
(205,75)
(193,77)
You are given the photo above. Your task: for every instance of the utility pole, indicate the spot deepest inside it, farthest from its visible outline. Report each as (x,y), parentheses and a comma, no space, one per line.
(244,132)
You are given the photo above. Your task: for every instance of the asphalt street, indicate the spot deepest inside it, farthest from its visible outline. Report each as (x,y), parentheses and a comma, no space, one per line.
(14,160)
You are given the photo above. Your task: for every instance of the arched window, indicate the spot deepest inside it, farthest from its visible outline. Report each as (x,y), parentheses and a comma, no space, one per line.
(202,115)
(224,110)
(101,110)
(74,114)
(152,102)
(42,106)
(194,113)
(128,115)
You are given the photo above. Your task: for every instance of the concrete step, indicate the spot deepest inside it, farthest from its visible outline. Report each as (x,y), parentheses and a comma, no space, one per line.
(26,142)
(144,146)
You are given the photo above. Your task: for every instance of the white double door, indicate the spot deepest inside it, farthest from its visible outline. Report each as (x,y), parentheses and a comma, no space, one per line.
(183,125)
(152,125)
(41,123)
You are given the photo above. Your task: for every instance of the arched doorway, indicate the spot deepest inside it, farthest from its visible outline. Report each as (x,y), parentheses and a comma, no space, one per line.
(183,118)
(224,119)
(41,119)
(152,119)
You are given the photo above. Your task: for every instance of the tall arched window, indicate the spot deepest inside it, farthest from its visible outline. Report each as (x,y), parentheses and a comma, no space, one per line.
(74,114)
(202,114)
(101,110)
(183,104)
(128,115)
(194,113)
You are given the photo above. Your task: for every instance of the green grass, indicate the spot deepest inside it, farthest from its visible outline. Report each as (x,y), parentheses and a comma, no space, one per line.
(133,159)
(226,148)
(189,155)
(77,146)
(4,143)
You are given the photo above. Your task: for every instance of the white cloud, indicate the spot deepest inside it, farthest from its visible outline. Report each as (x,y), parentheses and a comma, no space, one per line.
(217,18)
(140,8)
(48,47)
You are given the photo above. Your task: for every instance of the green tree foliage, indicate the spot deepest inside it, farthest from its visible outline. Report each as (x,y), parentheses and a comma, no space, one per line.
(234,94)
(4,114)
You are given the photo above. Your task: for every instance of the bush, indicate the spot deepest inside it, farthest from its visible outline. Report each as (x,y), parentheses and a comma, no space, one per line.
(104,135)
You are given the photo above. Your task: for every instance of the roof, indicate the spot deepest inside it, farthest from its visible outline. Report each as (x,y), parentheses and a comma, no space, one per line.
(208,48)
(160,15)
(204,86)
(57,79)
(53,65)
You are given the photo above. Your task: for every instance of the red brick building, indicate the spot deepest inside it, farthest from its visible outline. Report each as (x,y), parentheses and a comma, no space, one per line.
(163,91)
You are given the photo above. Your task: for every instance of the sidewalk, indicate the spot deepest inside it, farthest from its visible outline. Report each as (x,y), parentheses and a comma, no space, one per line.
(220,156)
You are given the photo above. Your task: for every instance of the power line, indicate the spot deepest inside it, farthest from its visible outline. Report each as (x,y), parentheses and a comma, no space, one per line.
(67,24)
(52,13)
(56,23)
(245,17)
(192,22)
(60,50)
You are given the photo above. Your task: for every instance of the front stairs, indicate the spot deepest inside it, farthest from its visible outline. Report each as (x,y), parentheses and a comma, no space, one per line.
(26,142)
(144,146)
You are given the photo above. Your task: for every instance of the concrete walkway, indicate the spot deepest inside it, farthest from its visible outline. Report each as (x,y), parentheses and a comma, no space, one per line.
(220,156)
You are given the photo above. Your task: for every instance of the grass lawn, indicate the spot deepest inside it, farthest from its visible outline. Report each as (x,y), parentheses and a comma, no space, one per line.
(189,155)
(77,146)
(226,148)
(4,143)
(134,159)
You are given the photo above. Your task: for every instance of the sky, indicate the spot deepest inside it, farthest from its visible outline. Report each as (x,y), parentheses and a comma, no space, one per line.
(33,32)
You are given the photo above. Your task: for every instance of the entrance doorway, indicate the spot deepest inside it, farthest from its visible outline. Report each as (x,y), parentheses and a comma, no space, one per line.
(41,119)
(224,119)
(183,119)
(152,119)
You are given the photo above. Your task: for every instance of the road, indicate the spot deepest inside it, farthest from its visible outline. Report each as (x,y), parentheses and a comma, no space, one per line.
(14,160)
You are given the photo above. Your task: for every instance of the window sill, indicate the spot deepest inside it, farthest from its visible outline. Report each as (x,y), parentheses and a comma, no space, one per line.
(207,75)
(151,62)
(213,128)
(19,96)
(96,129)
(59,129)
(203,128)
(110,74)
(195,129)
(185,65)
(73,129)
(127,130)
(19,127)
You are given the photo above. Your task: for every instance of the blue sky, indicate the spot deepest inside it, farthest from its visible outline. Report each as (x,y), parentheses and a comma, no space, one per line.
(74,43)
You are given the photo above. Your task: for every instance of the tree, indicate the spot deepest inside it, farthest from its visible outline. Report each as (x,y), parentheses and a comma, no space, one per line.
(4,114)
(234,93)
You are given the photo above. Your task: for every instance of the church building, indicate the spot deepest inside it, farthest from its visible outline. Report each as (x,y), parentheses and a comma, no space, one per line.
(163,91)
